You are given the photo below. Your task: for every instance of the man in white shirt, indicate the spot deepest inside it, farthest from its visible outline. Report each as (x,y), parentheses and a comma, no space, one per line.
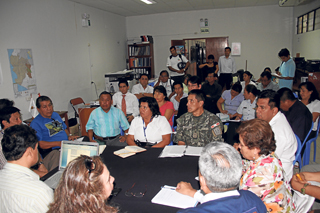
(142,89)
(165,82)
(268,105)
(175,64)
(227,67)
(126,101)
(220,170)
(20,188)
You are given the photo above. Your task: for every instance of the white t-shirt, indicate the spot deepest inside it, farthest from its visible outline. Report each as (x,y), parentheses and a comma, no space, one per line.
(314,106)
(153,133)
(286,142)
(138,88)
(174,61)
(243,84)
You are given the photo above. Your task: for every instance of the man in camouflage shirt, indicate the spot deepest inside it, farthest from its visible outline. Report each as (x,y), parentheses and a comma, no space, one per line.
(198,127)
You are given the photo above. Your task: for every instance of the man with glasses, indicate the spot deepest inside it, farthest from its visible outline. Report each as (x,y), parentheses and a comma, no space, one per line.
(50,128)
(266,83)
(20,188)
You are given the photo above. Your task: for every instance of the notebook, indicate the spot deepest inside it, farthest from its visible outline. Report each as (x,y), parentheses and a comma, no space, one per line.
(69,151)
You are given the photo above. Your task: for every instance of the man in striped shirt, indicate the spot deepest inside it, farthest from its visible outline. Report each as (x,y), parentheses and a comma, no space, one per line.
(20,188)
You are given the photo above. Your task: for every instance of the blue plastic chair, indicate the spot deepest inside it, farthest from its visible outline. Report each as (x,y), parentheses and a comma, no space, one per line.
(298,152)
(306,155)
(172,128)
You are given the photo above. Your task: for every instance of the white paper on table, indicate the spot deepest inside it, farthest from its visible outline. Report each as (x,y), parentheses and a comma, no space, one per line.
(173,151)
(168,196)
(101,148)
(193,151)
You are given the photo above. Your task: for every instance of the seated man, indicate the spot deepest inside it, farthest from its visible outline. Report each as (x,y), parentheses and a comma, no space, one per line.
(198,127)
(165,82)
(126,101)
(220,170)
(51,130)
(20,188)
(179,94)
(268,105)
(10,116)
(297,114)
(104,123)
(213,92)
(266,82)
(142,89)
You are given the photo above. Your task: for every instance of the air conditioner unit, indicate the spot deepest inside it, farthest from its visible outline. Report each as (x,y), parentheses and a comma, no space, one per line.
(292,3)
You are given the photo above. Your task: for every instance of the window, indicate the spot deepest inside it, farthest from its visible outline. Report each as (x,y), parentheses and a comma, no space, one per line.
(309,21)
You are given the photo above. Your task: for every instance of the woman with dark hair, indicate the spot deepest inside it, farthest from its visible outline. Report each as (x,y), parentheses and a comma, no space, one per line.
(246,80)
(150,127)
(85,186)
(309,96)
(232,99)
(210,66)
(246,110)
(165,105)
(262,172)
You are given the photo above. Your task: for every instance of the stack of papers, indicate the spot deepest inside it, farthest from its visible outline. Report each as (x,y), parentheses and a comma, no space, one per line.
(129,151)
(223,117)
(179,151)
(168,196)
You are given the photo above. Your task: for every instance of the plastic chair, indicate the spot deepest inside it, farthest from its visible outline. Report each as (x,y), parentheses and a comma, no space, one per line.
(74,102)
(306,155)
(84,115)
(303,202)
(300,145)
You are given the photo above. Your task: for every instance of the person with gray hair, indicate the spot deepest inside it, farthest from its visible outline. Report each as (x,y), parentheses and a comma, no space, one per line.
(220,171)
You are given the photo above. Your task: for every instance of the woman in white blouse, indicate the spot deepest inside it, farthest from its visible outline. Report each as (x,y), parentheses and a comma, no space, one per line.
(246,110)
(150,127)
(310,97)
(246,80)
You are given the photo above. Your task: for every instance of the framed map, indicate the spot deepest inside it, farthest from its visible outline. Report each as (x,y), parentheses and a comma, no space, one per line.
(22,72)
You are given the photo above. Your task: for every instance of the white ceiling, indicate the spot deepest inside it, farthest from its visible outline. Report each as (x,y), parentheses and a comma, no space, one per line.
(136,7)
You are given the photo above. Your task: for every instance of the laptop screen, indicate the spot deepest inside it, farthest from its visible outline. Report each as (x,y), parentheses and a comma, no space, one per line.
(71,150)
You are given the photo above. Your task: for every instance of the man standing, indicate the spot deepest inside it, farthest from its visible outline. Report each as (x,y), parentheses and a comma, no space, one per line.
(126,101)
(175,64)
(104,123)
(220,170)
(198,127)
(20,188)
(266,83)
(213,92)
(287,69)
(50,128)
(227,67)
(268,105)
(142,89)
(297,114)
(179,94)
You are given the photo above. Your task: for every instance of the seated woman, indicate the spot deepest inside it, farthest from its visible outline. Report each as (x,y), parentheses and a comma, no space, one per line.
(231,99)
(310,97)
(246,80)
(246,110)
(210,66)
(150,126)
(262,172)
(165,105)
(84,186)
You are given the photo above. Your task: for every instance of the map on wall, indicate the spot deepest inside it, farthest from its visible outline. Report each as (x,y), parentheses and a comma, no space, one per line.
(22,72)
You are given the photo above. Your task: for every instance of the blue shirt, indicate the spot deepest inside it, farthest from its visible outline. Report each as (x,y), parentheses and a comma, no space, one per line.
(287,69)
(107,124)
(50,129)
(231,105)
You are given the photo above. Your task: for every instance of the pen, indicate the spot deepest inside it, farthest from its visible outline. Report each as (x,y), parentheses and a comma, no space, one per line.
(298,176)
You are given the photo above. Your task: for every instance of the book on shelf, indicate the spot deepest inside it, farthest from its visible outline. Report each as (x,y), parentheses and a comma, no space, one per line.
(129,151)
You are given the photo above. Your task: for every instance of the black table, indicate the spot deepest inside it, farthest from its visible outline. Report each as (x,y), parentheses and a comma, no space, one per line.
(146,168)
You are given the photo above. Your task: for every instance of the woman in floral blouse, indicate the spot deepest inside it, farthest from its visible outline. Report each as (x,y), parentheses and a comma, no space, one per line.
(262,172)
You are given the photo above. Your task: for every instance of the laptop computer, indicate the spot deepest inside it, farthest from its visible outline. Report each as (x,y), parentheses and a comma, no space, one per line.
(69,151)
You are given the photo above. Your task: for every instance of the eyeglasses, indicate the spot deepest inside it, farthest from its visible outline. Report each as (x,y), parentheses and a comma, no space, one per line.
(135,194)
(90,165)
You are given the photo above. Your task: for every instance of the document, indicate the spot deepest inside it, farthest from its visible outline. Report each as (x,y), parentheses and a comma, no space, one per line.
(129,151)
(179,151)
(168,196)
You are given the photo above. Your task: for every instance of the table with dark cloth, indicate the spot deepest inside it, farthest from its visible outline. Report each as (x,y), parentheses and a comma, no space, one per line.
(148,171)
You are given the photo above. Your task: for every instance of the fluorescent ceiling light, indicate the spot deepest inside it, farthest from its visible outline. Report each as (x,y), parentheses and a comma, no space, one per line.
(148,1)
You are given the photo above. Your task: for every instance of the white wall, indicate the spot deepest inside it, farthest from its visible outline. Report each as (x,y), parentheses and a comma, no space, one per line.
(262,31)
(307,44)
(52,29)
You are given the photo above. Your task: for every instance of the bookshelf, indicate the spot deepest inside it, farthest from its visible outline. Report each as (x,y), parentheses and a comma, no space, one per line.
(141,59)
